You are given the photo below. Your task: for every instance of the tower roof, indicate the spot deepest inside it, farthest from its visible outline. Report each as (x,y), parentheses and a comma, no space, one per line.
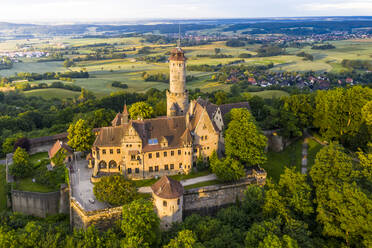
(177,54)
(125,111)
(167,188)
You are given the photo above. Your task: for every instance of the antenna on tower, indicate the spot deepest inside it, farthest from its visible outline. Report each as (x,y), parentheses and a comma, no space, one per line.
(179,36)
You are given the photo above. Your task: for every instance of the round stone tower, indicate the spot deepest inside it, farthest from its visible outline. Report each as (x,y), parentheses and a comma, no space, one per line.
(167,194)
(177,96)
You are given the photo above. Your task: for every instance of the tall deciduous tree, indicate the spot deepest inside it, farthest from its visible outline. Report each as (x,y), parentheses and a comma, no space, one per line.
(228,169)
(80,136)
(344,206)
(141,110)
(21,166)
(244,141)
(115,190)
(184,239)
(141,223)
(338,115)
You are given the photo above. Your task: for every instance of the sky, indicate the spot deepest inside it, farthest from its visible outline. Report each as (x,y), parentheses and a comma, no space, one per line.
(115,10)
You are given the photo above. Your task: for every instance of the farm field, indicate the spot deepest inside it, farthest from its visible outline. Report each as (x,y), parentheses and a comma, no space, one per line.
(129,70)
(52,93)
(269,94)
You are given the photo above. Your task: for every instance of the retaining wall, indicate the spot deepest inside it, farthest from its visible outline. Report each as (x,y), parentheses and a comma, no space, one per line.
(40,204)
(207,200)
(101,219)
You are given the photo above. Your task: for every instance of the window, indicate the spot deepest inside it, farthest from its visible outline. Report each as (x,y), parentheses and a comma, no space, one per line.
(179,152)
(126,145)
(178,202)
(150,155)
(153,141)
(164,203)
(202,137)
(133,157)
(157,168)
(129,170)
(111,151)
(172,153)
(166,167)
(151,169)
(137,170)
(157,155)
(165,154)
(206,137)
(180,165)
(104,151)
(172,166)
(118,151)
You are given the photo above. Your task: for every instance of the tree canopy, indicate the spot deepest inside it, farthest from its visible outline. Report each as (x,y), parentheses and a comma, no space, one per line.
(80,136)
(21,166)
(243,140)
(115,190)
(141,110)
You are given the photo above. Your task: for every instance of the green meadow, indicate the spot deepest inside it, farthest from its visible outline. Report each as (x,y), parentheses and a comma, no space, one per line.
(129,70)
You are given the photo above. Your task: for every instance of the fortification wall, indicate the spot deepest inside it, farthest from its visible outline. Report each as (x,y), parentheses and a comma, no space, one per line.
(101,219)
(40,204)
(207,200)
(36,204)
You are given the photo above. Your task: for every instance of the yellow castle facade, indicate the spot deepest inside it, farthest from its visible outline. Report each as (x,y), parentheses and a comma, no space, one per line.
(166,145)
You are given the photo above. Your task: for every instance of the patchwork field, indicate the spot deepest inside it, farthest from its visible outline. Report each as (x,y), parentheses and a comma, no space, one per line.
(129,70)
(52,93)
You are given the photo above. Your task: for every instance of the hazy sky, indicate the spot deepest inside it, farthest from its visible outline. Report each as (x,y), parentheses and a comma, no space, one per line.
(100,10)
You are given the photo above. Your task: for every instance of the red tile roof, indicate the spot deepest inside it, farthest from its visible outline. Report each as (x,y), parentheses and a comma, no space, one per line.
(167,188)
(57,146)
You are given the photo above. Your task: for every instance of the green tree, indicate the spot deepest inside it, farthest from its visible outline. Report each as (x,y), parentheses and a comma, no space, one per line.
(59,158)
(80,136)
(21,166)
(115,190)
(291,197)
(228,169)
(140,222)
(221,97)
(141,110)
(85,95)
(338,115)
(243,140)
(184,239)
(344,206)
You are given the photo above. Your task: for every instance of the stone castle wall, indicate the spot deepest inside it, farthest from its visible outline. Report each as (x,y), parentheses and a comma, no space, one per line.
(207,200)
(40,204)
(204,201)
(101,219)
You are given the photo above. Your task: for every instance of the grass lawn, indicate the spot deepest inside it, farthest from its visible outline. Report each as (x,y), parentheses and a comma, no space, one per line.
(26,184)
(38,157)
(269,94)
(313,149)
(277,161)
(52,93)
(2,188)
(149,182)
(202,184)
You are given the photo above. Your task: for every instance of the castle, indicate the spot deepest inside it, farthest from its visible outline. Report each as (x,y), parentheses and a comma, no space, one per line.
(165,145)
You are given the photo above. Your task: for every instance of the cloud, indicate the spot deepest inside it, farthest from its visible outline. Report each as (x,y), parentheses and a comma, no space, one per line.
(350,6)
